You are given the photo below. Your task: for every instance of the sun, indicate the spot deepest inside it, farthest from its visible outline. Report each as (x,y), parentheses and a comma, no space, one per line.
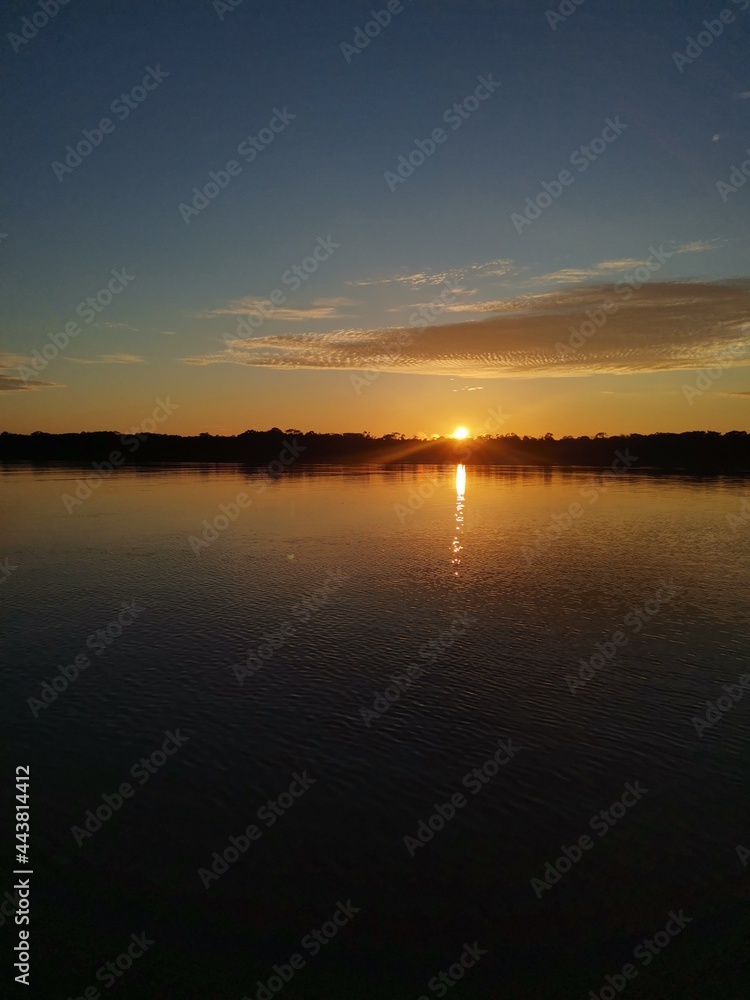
(460,433)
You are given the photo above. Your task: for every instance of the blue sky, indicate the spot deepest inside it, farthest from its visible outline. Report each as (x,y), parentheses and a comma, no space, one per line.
(226,73)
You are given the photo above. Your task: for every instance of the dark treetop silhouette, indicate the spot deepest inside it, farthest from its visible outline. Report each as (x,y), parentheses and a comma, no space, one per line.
(694,450)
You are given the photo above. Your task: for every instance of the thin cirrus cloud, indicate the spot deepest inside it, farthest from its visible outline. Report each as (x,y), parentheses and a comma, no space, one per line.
(606,269)
(665,326)
(426,279)
(110,359)
(508,270)
(330,308)
(698,246)
(455,293)
(10,379)
(118,326)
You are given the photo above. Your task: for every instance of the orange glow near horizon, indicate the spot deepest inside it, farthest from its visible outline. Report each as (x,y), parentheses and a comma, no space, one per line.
(460,433)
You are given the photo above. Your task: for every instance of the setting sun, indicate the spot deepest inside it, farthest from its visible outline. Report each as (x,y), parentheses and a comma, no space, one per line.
(461,433)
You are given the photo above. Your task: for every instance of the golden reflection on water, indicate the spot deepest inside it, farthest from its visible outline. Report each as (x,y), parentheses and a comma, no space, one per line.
(457,547)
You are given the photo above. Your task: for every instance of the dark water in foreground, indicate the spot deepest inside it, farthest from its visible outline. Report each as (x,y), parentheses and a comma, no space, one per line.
(349,578)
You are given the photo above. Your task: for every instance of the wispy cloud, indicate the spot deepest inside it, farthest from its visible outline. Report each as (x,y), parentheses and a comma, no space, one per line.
(110,359)
(566,276)
(455,293)
(118,326)
(698,246)
(330,308)
(428,279)
(506,268)
(486,306)
(607,268)
(664,327)
(11,381)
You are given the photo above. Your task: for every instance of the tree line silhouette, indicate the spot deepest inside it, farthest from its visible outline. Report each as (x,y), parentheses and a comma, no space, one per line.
(689,450)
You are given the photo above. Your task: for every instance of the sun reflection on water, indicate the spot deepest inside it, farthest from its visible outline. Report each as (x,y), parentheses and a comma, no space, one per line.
(457,547)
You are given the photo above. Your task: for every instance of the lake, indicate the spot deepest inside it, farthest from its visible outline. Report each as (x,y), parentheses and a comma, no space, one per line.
(338,732)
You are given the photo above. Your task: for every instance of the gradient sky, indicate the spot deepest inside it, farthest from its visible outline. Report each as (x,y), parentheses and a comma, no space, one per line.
(494,345)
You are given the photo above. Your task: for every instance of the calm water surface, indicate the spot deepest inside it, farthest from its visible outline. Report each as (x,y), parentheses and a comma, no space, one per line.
(496,592)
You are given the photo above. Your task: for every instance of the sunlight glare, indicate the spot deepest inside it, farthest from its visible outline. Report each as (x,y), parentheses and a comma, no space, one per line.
(460,481)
